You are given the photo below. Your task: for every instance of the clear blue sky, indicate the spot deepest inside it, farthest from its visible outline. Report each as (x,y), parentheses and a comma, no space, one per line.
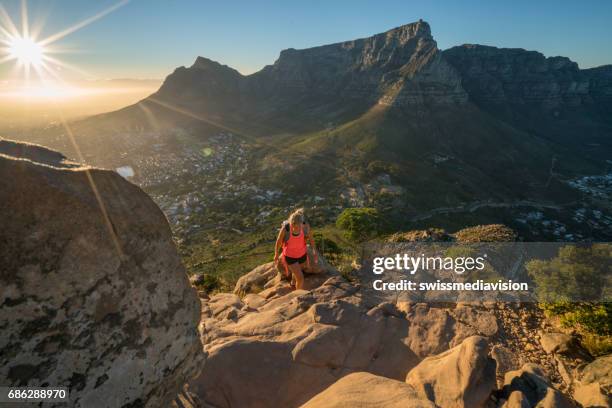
(149,38)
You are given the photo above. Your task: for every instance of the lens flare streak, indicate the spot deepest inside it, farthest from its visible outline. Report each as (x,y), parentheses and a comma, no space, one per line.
(29,53)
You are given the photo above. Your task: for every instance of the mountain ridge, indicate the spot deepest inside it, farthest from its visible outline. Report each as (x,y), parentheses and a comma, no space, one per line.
(374,68)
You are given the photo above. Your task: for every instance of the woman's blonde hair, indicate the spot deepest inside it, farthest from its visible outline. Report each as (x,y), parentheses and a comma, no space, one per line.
(297,217)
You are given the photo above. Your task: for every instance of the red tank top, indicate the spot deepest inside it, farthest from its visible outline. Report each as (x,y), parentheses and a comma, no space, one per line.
(295,247)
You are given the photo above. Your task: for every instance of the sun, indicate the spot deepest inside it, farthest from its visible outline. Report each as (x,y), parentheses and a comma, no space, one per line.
(26,51)
(22,47)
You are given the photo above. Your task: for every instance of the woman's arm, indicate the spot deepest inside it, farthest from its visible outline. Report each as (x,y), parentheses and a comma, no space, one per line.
(279,243)
(311,241)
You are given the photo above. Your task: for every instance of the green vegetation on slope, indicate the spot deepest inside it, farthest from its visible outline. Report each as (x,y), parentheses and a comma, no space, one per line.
(569,286)
(360,224)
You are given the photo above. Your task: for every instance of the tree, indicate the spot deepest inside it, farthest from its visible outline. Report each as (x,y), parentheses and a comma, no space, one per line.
(575,286)
(360,223)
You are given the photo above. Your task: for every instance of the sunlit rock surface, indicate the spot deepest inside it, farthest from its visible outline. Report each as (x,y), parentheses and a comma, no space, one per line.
(92,291)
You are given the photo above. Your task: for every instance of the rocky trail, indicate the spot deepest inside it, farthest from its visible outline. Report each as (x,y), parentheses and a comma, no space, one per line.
(329,347)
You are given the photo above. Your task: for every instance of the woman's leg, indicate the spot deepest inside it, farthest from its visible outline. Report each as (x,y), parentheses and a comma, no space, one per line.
(296,269)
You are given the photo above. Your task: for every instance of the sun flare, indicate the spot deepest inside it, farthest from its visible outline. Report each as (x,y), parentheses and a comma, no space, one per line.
(33,57)
(26,51)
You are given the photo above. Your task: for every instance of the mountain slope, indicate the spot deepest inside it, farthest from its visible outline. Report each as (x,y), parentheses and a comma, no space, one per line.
(326,87)
(550,97)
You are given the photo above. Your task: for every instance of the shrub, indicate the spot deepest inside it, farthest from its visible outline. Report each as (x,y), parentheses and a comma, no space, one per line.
(328,247)
(377,167)
(206,282)
(428,235)
(594,318)
(360,224)
(570,286)
(486,233)
(575,274)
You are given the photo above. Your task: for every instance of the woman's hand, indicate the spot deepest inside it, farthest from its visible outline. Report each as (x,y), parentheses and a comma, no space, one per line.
(276,258)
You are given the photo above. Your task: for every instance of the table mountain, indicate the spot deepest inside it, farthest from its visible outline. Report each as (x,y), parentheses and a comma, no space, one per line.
(471,125)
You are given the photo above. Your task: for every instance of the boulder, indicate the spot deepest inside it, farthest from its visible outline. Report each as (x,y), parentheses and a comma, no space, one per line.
(599,371)
(368,390)
(463,376)
(533,386)
(516,400)
(592,396)
(506,361)
(93,294)
(265,279)
(255,280)
(595,385)
(558,343)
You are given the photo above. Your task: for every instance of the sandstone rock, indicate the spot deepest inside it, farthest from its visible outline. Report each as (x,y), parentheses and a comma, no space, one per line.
(516,400)
(595,385)
(483,321)
(92,291)
(463,376)
(505,360)
(556,342)
(599,371)
(592,396)
(368,390)
(564,367)
(255,280)
(253,300)
(304,341)
(433,330)
(536,388)
(266,280)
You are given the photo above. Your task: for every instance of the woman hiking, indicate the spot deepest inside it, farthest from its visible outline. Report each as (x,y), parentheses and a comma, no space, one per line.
(292,238)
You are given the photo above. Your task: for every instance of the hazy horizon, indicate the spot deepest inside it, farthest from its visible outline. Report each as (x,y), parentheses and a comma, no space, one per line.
(24,108)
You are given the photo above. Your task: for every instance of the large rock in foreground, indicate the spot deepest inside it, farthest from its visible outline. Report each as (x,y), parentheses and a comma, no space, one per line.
(368,390)
(531,388)
(461,377)
(93,295)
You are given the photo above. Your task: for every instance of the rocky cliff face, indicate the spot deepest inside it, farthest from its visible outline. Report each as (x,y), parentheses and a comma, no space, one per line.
(516,76)
(402,66)
(93,295)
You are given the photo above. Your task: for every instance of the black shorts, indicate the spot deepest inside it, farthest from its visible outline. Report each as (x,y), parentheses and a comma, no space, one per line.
(291,260)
